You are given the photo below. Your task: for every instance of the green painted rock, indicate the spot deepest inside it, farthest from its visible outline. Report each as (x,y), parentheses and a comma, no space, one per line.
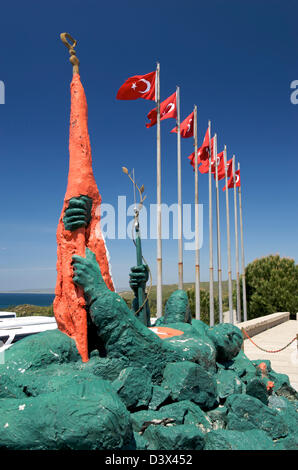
(288,411)
(134,387)
(89,416)
(140,442)
(228,383)
(181,437)
(183,412)
(159,397)
(287,391)
(38,351)
(242,366)
(218,417)
(257,388)
(288,443)
(189,381)
(247,413)
(8,389)
(236,440)
(227,339)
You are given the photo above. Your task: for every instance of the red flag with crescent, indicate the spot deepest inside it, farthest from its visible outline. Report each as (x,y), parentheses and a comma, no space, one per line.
(168,109)
(231,181)
(186,127)
(138,86)
(221,168)
(204,168)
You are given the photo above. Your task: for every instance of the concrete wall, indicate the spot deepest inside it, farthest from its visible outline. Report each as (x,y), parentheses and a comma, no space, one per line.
(257,325)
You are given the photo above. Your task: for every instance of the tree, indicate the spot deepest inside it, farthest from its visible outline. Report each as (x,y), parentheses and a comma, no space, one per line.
(271,286)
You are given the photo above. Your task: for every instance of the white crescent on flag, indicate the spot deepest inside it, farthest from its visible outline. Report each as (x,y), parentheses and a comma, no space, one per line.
(148,85)
(170,107)
(189,124)
(237,179)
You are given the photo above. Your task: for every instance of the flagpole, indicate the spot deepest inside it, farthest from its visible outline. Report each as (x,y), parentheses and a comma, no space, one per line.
(197,247)
(211,285)
(158,186)
(236,244)
(230,285)
(242,253)
(180,248)
(218,235)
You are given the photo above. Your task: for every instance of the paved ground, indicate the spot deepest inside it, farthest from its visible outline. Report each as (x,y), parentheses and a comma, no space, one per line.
(286,361)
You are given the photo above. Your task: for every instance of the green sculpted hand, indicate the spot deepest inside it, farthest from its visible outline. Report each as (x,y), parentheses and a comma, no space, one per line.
(138,277)
(87,274)
(78,213)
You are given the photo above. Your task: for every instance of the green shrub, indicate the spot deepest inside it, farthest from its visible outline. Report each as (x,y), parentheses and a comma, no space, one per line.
(271,286)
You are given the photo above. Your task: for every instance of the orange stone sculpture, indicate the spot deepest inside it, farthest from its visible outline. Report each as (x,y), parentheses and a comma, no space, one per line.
(69,303)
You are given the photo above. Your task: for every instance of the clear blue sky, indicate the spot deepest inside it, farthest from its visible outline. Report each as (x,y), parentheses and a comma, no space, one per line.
(235,60)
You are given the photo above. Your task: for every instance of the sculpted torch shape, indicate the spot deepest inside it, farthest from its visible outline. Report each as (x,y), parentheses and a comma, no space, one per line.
(69,303)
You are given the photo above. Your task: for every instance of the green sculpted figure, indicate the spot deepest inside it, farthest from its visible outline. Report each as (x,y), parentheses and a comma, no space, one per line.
(135,383)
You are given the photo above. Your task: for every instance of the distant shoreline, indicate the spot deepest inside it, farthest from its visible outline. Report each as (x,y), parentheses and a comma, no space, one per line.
(46,292)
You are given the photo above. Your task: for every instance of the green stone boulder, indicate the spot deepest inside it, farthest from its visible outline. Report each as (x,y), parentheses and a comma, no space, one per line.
(228,383)
(183,412)
(236,440)
(189,381)
(181,437)
(242,366)
(247,413)
(159,397)
(288,410)
(81,417)
(256,387)
(134,387)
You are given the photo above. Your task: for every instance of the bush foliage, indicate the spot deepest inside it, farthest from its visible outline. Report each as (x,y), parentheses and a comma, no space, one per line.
(271,286)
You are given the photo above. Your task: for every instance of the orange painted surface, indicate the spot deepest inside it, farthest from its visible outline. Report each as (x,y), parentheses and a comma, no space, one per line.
(69,303)
(165,332)
(270,385)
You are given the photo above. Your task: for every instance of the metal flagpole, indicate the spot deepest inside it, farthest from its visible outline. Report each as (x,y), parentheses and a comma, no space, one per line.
(230,285)
(197,249)
(180,248)
(158,178)
(211,286)
(236,244)
(218,234)
(242,254)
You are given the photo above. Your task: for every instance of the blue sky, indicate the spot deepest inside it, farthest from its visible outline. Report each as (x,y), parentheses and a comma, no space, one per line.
(235,60)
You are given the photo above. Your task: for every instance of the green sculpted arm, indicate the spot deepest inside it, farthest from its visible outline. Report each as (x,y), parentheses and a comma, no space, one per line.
(78,213)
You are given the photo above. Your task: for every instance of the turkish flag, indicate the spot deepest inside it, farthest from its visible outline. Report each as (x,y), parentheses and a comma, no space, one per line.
(231,180)
(203,151)
(138,86)
(221,168)
(204,168)
(168,109)
(186,127)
